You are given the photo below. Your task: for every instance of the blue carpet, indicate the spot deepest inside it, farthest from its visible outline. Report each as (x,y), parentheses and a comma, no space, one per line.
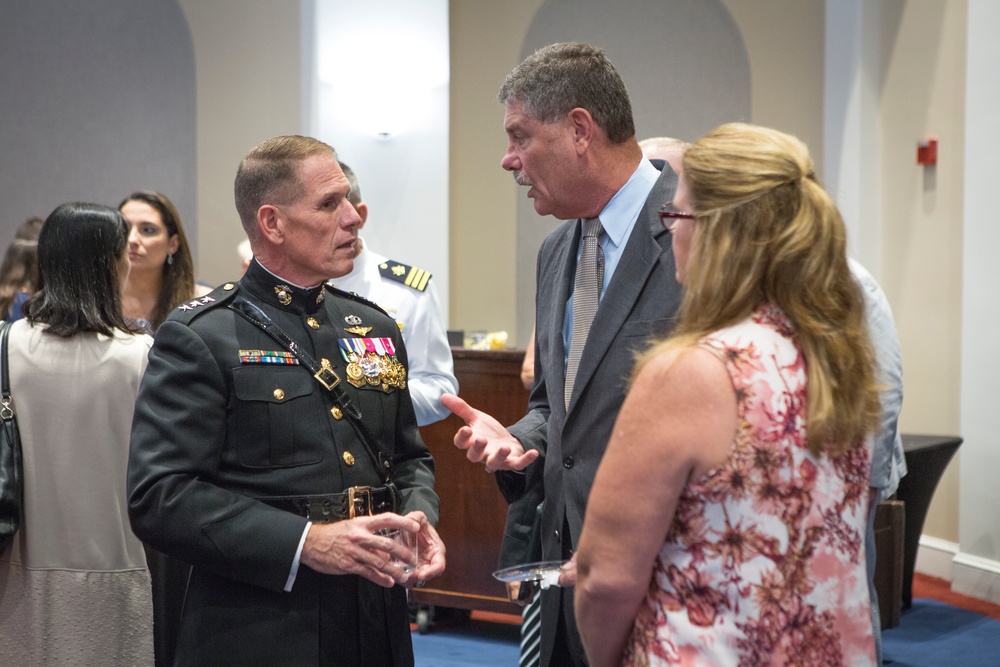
(935,634)
(473,642)
(930,634)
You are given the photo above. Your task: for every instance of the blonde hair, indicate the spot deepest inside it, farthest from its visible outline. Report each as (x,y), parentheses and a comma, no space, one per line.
(767,232)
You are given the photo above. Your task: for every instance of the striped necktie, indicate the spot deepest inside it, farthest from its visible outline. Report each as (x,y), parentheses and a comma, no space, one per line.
(531,630)
(586,296)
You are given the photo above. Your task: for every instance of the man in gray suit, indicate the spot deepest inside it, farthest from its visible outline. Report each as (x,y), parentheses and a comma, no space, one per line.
(572,141)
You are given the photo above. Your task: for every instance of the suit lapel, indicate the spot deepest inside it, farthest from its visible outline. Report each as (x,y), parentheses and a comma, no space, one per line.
(641,254)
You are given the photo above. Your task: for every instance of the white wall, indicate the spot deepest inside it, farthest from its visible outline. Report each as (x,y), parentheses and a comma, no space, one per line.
(923,47)
(851,138)
(247,92)
(977,565)
(382,66)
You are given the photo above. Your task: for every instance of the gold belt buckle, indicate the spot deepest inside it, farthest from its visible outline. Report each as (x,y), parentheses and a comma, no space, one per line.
(356,495)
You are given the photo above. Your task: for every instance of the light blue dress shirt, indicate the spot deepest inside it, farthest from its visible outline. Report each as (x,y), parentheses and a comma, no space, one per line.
(618,219)
(888,460)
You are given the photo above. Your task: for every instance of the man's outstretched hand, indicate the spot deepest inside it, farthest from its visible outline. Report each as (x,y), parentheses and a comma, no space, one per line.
(485,440)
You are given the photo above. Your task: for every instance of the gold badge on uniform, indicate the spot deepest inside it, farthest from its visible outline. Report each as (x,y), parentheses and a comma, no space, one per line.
(355,375)
(356,327)
(284,293)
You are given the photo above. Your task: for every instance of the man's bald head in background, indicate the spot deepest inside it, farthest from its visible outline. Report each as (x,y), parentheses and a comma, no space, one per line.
(665,148)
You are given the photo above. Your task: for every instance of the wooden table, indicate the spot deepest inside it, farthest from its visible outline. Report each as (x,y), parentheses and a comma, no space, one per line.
(927,456)
(473,512)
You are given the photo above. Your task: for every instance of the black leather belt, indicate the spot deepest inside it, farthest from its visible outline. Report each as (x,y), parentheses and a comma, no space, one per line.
(328,508)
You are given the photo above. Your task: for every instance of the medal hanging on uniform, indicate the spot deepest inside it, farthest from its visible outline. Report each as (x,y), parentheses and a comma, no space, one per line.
(372,361)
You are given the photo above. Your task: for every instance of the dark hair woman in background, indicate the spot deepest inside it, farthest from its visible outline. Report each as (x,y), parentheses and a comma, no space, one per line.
(74,587)
(162,269)
(17,273)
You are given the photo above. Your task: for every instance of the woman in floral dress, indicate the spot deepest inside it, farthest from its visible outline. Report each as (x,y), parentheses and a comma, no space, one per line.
(726,523)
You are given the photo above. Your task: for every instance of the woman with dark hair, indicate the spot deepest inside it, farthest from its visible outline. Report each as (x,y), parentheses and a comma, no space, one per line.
(74,587)
(17,273)
(742,447)
(162,275)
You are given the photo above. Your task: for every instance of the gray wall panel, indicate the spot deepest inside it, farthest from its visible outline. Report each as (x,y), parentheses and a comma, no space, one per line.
(97,99)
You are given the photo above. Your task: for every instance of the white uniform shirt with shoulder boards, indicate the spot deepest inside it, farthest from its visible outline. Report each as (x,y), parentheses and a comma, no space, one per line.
(410,297)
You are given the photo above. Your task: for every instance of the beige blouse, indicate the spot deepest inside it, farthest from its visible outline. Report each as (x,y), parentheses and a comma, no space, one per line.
(74,585)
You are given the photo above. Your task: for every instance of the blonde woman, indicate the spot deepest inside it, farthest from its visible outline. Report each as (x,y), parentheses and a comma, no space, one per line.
(741,447)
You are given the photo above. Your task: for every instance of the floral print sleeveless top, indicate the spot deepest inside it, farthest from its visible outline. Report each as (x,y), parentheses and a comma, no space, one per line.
(764,563)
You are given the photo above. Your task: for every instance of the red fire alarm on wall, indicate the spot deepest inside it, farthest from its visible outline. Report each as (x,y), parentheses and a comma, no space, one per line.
(927,152)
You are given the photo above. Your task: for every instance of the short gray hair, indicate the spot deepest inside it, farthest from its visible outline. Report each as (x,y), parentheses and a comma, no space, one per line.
(270,172)
(558,78)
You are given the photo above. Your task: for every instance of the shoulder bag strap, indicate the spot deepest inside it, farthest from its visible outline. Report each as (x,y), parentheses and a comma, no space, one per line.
(324,374)
(6,405)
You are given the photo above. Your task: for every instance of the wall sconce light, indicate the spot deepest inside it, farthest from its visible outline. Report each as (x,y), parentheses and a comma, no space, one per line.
(398,57)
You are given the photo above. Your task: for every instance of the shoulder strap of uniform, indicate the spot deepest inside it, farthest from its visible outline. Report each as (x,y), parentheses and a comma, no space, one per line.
(195,306)
(354,296)
(410,276)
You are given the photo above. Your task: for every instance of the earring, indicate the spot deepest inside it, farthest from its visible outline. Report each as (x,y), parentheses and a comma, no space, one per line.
(170,259)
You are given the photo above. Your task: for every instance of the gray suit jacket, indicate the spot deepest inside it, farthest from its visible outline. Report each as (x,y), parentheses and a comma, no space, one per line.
(639,304)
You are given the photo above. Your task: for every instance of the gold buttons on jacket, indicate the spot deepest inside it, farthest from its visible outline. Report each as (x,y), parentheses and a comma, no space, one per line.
(228,287)
(337,413)
(279,394)
(312,322)
(349,458)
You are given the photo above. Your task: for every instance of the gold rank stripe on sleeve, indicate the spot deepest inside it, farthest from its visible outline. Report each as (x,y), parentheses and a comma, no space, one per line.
(417,279)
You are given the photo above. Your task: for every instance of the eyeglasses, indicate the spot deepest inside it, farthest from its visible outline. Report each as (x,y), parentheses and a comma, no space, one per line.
(669,216)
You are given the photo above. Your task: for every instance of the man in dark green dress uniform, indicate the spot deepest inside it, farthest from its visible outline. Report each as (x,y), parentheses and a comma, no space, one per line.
(248,459)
